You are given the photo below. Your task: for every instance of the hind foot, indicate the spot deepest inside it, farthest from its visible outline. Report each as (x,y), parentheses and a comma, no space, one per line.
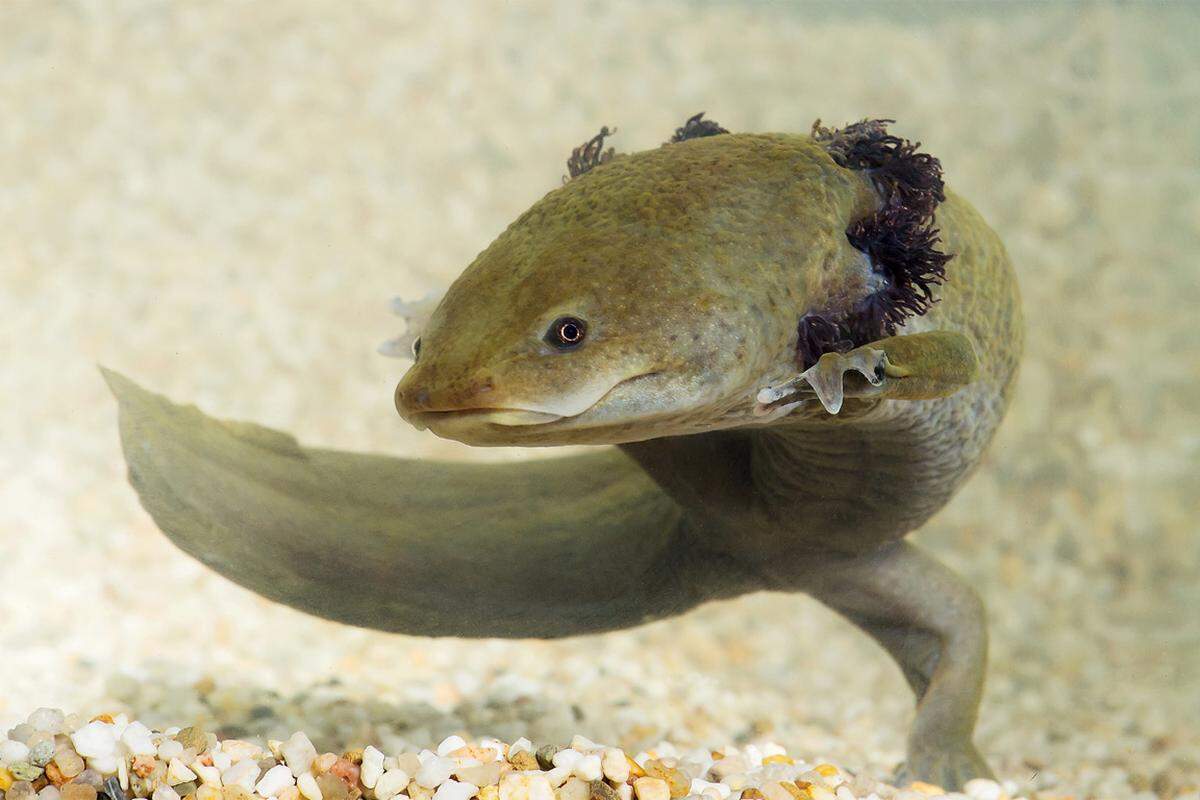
(947,766)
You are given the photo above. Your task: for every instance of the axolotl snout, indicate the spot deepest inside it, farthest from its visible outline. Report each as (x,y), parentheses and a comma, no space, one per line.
(801,346)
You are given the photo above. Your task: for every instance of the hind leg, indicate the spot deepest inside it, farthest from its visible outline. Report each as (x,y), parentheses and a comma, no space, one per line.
(933,624)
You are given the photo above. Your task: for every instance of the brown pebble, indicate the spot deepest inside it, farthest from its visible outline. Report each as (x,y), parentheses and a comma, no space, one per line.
(545,756)
(524,760)
(409,762)
(353,756)
(753,794)
(68,762)
(678,783)
(346,770)
(142,766)
(602,791)
(21,790)
(332,787)
(55,774)
(78,791)
(193,737)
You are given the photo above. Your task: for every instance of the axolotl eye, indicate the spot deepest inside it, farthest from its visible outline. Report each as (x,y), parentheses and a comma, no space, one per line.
(566,332)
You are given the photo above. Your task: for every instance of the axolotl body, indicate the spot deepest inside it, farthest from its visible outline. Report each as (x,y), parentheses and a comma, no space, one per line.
(799,346)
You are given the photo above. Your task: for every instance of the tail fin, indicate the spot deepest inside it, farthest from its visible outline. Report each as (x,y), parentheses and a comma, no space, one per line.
(537,549)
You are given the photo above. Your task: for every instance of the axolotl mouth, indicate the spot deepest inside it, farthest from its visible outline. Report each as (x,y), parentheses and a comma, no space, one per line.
(620,405)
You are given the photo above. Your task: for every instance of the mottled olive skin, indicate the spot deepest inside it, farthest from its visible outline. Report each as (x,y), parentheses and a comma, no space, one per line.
(694,260)
(692,265)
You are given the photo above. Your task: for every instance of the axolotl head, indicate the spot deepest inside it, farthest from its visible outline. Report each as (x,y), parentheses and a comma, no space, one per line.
(651,296)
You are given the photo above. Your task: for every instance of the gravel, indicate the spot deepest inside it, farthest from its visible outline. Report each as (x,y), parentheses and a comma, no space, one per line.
(220,198)
(664,772)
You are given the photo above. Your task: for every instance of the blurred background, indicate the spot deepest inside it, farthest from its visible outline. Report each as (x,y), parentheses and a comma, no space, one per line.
(219,198)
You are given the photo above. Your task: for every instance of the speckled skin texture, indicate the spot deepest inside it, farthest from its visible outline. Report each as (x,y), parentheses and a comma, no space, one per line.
(692,264)
(694,260)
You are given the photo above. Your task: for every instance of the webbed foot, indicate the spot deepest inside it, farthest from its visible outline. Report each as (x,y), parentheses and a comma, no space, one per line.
(913,366)
(826,381)
(949,766)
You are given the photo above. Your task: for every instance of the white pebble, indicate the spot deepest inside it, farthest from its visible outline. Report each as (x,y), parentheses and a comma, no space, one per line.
(169,749)
(390,784)
(11,752)
(455,790)
(435,771)
(119,723)
(277,779)
(567,758)
(177,772)
(450,744)
(583,744)
(95,740)
(49,720)
(557,776)
(164,793)
(243,773)
(615,765)
(573,789)
(526,786)
(983,789)
(372,766)
(704,787)
(298,752)
(588,768)
(239,750)
(105,765)
(307,785)
(138,739)
(209,776)
(49,793)
(625,791)
(519,745)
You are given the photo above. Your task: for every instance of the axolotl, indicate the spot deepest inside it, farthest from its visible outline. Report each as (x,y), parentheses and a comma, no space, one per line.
(796,347)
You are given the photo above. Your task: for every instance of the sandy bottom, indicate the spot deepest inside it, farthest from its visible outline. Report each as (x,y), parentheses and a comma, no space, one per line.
(218,199)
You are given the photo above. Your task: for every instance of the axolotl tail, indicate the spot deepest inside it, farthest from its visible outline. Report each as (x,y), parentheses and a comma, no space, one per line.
(537,549)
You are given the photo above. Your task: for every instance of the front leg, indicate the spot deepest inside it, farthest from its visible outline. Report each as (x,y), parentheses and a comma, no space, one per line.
(917,366)
(933,624)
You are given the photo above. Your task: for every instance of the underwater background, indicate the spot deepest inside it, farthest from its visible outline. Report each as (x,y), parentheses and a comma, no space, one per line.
(219,198)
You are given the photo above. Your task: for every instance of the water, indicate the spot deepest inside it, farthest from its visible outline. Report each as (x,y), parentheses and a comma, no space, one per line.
(219,200)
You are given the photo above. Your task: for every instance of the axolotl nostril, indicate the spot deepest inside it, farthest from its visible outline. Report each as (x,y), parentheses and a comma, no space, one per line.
(799,347)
